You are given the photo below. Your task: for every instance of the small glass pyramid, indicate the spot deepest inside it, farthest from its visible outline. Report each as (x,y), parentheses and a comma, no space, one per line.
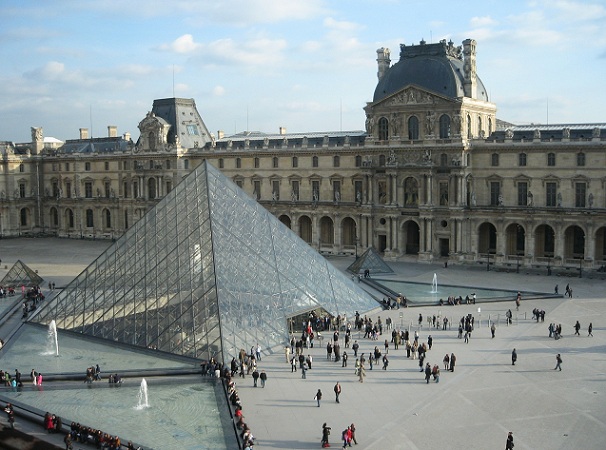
(21,275)
(370,260)
(205,273)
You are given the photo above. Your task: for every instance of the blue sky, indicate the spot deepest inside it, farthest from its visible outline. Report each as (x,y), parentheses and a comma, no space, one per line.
(307,65)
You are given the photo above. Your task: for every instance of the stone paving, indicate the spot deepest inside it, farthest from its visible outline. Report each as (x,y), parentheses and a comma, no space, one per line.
(471,408)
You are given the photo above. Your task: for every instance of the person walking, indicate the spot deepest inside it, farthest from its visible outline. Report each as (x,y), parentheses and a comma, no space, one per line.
(590,329)
(385,362)
(435,371)
(427,373)
(325,434)
(304,371)
(263,377)
(429,341)
(344,359)
(577,328)
(493,330)
(453,360)
(318,397)
(514,357)
(293,364)
(337,390)
(352,428)
(558,362)
(446,361)
(255,376)
(10,414)
(509,443)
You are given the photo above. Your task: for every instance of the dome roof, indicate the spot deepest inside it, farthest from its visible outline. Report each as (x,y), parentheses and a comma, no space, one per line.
(434,67)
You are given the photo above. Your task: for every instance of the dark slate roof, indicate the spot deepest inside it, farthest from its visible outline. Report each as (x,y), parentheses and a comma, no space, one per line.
(576,132)
(429,66)
(94,145)
(256,140)
(185,121)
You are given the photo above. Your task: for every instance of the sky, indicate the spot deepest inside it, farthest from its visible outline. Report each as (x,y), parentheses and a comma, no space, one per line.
(258,65)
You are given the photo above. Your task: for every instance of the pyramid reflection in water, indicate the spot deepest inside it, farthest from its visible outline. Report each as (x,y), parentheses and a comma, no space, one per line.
(205,273)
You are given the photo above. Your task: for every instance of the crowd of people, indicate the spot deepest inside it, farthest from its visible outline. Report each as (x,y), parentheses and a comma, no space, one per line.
(248,440)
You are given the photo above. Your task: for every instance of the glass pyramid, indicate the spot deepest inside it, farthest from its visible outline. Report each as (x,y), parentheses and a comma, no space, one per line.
(205,273)
(370,260)
(21,275)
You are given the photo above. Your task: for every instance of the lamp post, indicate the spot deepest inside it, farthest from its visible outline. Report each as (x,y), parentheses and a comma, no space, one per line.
(518,264)
(488,262)
(581,267)
(356,242)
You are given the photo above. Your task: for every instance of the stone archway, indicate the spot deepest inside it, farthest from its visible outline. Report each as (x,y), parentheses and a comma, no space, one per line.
(515,236)
(285,220)
(544,242)
(411,237)
(574,243)
(305,229)
(487,238)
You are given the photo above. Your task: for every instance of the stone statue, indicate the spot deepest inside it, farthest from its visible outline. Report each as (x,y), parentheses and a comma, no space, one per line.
(431,121)
(411,97)
(596,132)
(457,123)
(473,199)
(566,133)
(315,196)
(393,123)
(37,134)
(500,199)
(359,197)
(369,124)
(392,159)
(530,199)
(590,200)
(536,134)
(509,133)
(293,196)
(337,196)
(559,199)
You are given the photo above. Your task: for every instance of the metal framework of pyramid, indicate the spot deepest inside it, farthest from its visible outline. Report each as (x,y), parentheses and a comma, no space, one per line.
(370,260)
(21,275)
(206,272)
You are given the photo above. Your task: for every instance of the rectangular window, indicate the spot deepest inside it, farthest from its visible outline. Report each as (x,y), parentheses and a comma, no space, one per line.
(126,165)
(275,190)
(125,193)
(275,162)
(22,190)
(314,161)
(87,166)
(494,160)
(67,167)
(315,191)
(580,159)
(221,163)
(107,188)
(257,189)
(54,167)
(88,189)
(169,186)
(295,161)
(495,193)
(551,159)
(551,194)
(295,191)
(256,163)
(68,189)
(238,163)
(106,165)
(522,159)
(336,191)
(580,194)
(522,193)
(168,164)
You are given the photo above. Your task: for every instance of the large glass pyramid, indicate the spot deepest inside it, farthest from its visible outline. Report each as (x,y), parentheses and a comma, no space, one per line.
(21,275)
(205,273)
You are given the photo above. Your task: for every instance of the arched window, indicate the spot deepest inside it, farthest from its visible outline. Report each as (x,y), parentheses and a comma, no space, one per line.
(383,129)
(413,128)
(108,218)
(489,125)
(444,126)
(479,126)
(89,218)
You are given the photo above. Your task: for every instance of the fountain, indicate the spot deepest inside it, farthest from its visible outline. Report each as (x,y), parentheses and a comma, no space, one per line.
(142,397)
(434,284)
(52,346)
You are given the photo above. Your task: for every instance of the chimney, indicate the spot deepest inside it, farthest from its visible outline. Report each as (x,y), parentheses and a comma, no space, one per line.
(470,84)
(383,61)
(83,133)
(220,134)
(282,131)
(112,131)
(126,136)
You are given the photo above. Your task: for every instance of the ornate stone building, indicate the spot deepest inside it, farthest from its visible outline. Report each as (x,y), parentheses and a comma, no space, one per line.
(431,177)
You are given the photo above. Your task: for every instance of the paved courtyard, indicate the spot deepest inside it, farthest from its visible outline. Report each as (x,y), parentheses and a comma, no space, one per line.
(471,408)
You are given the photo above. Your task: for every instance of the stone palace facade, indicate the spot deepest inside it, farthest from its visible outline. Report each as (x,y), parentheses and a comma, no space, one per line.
(434,176)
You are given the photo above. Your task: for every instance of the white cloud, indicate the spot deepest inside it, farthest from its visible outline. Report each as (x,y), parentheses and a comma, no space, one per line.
(484,21)
(218,91)
(183,44)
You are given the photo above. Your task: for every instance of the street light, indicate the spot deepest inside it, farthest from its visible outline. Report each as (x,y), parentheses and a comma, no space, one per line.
(581,267)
